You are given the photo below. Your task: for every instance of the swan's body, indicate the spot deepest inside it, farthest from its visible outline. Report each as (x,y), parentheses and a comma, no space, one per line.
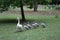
(35,24)
(25,26)
(19,26)
(29,25)
(43,25)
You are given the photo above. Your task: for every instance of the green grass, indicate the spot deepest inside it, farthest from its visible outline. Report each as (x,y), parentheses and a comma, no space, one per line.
(51,32)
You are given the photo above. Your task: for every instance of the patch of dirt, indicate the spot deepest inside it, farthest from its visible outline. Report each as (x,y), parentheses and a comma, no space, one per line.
(52,12)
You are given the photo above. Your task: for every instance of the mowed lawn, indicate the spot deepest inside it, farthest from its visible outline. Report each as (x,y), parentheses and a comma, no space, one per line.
(51,32)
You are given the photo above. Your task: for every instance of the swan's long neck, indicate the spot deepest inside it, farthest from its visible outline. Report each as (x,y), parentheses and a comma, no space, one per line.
(18,21)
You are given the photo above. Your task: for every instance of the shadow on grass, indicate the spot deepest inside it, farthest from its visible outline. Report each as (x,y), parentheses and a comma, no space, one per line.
(8,21)
(15,21)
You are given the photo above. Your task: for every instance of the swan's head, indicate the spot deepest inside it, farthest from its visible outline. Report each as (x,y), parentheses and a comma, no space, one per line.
(17,17)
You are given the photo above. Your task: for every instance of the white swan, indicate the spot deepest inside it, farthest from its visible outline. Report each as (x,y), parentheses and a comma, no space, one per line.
(19,26)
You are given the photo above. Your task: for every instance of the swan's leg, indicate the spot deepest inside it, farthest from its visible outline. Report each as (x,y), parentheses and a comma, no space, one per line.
(20,29)
(16,29)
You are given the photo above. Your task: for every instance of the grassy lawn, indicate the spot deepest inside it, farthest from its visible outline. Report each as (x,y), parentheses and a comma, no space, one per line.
(51,32)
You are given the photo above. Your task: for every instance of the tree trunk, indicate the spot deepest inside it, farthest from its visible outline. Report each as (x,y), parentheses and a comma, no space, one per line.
(22,11)
(35,5)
